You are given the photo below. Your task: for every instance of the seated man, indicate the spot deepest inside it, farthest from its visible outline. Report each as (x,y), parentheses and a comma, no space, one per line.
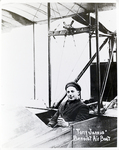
(72,110)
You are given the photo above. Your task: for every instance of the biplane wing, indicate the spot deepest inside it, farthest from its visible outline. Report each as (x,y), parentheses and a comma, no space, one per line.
(22,14)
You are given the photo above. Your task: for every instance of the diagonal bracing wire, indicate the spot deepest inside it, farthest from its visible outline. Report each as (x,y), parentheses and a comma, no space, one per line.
(60,17)
(33,7)
(58,11)
(79,58)
(69,10)
(53,10)
(59,70)
(37,11)
(75,65)
(84,69)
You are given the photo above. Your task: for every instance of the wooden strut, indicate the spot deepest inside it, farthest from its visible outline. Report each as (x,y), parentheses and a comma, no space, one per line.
(90,44)
(49,62)
(98,59)
(107,72)
(34,61)
(84,69)
(41,108)
(71,31)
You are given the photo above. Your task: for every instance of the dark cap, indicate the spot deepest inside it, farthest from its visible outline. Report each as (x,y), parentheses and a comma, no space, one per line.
(74,84)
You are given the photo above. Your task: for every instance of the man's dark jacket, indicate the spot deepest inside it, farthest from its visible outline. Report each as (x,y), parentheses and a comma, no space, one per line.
(71,111)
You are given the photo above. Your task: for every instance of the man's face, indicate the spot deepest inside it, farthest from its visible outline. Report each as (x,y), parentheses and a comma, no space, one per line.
(72,93)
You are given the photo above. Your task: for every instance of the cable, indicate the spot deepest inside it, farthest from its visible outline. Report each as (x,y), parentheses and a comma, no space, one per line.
(69,10)
(74,65)
(58,11)
(84,69)
(53,10)
(59,72)
(37,11)
(78,59)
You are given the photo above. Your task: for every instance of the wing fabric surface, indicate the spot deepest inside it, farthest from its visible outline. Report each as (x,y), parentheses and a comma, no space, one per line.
(84,19)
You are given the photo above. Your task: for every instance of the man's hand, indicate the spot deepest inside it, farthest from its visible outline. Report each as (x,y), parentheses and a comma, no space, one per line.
(62,122)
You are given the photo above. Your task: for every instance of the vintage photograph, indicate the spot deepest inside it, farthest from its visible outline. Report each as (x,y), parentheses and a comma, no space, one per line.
(59,74)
